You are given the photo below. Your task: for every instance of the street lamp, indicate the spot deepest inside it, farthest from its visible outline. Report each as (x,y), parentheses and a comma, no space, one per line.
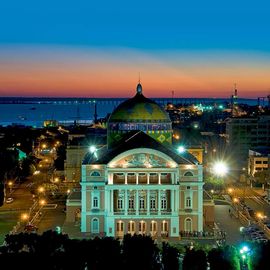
(44,145)
(24,217)
(244,252)
(56,179)
(10,183)
(41,189)
(220,168)
(181,149)
(42,202)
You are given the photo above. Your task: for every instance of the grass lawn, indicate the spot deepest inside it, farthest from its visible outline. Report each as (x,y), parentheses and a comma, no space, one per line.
(7,221)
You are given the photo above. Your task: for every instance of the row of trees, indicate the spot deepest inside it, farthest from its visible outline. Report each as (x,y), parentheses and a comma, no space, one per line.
(53,250)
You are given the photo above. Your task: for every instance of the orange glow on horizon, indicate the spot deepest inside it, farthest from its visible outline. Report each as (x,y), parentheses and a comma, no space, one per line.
(83,76)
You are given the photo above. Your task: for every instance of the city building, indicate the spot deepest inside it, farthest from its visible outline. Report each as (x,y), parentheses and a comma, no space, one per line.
(244,133)
(77,147)
(258,160)
(139,182)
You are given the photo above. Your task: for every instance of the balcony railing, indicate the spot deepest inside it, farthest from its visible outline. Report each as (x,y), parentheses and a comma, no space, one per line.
(143,212)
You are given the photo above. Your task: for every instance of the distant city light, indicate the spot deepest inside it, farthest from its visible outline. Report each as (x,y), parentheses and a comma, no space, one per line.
(220,168)
(181,149)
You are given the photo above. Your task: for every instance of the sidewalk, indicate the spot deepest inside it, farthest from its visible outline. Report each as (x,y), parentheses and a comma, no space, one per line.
(259,191)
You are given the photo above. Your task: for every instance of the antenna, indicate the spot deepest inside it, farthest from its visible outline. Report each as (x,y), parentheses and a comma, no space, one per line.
(172,96)
(235,90)
(139,77)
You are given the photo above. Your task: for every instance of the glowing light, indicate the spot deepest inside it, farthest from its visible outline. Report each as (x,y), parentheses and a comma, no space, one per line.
(230,190)
(24,216)
(42,202)
(241,229)
(245,249)
(92,149)
(44,146)
(220,168)
(181,149)
(235,200)
(41,189)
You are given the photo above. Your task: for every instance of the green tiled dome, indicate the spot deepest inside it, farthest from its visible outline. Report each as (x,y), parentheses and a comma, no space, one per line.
(139,113)
(139,108)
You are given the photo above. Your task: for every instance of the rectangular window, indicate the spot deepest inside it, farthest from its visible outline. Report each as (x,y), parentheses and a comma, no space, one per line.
(95,202)
(163,203)
(142,204)
(120,203)
(152,203)
(131,203)
(188,202)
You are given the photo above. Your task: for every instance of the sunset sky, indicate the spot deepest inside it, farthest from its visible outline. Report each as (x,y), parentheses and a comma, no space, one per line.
(98,48)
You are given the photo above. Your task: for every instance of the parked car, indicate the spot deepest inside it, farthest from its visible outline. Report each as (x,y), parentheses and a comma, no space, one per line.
(30,228)
(9,200)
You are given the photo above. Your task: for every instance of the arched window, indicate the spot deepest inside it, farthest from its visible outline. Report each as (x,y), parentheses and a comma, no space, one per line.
(131,227)
(188,202)
(164,228)
(153,227)
(188,174)
(120,226)
(142,227)
(95,173)
(188,225)
(95,225)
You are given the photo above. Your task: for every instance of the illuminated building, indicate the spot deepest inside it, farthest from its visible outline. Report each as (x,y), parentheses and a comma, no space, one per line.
(138,183)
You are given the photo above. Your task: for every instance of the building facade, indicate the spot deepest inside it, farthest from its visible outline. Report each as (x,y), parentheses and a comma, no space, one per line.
(138,183)
(244,133)
(258,160)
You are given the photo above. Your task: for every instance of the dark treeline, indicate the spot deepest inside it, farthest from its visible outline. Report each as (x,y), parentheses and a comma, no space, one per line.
(56,251)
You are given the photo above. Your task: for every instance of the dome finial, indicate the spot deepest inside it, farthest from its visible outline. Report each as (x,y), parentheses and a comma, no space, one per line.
(139,86)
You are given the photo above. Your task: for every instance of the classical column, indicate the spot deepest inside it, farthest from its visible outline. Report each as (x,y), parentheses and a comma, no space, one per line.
(126,202)
(137,202)
(125,178)
(172,200)
(159,203)
(159,179)
(148,202)
(148,177)
(137,178)
(111,195)
(177,197)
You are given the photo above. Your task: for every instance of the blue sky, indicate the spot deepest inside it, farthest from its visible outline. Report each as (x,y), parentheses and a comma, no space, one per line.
(150,25)
(198,48)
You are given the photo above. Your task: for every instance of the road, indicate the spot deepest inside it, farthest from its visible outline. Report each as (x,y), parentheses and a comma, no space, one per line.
(252,199)
(10,214)
(228,223)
